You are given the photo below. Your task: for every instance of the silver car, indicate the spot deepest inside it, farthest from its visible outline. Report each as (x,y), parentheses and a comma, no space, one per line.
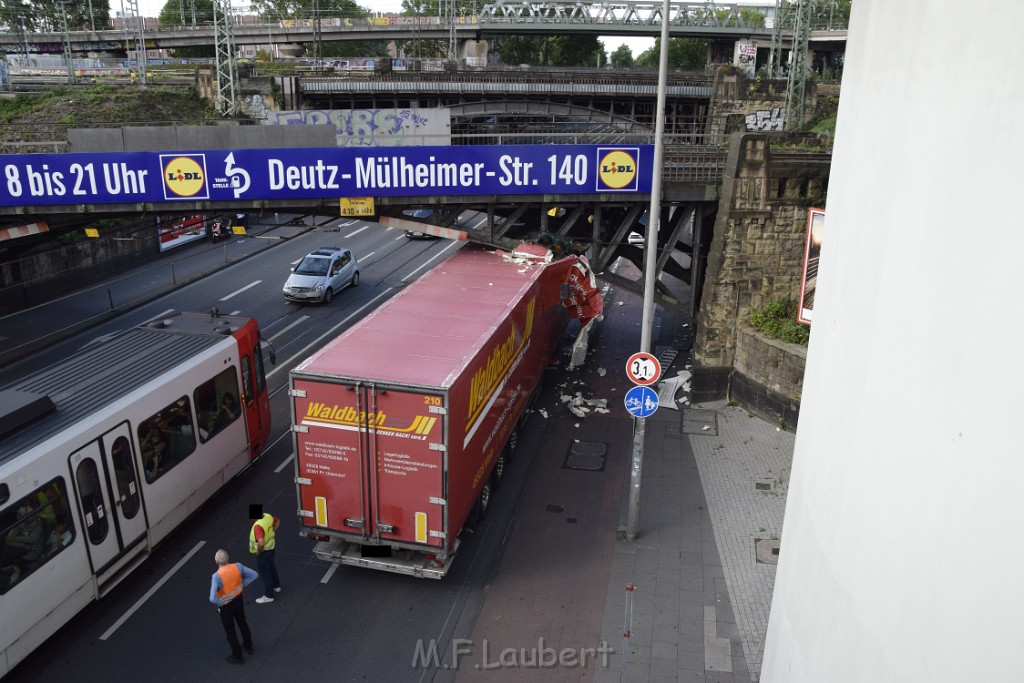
(320,274)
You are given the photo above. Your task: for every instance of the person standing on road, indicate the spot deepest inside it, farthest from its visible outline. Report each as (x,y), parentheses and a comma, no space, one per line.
(226,592)
(262,543)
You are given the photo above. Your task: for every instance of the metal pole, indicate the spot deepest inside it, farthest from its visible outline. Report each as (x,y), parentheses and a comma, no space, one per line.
(627,630)
(650,263)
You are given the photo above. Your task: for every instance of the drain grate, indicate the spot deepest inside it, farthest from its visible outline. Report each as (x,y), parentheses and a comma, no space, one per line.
(766,550)
(586,455)
(698,421)
(665,356)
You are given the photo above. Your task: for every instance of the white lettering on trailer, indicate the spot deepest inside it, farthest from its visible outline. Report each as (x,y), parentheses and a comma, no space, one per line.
(117,624)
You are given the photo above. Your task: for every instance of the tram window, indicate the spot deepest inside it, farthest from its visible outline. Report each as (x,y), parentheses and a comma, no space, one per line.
(89,495)
(247,380)
(261,378)
(124,477)
(167,438)
(32,531)
(5,494)
(217,403)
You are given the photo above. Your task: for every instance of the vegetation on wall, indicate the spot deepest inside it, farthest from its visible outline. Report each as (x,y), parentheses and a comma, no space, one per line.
(777,319)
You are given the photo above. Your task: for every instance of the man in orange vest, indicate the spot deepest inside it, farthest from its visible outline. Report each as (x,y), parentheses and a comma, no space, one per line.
(262,543)
(226,592)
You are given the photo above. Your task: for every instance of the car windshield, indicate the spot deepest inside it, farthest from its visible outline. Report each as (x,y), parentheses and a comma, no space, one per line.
(312,266)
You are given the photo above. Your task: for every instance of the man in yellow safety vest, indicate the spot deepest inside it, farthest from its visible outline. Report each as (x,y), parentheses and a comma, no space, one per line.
(262,543)
(226,592)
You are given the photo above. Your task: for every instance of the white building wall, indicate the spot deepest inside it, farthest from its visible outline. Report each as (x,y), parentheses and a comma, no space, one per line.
(902,553)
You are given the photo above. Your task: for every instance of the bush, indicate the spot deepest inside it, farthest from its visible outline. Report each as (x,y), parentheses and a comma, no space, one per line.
(777,319)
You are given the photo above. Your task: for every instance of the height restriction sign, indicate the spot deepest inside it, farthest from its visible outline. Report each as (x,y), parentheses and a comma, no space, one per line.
(643,369)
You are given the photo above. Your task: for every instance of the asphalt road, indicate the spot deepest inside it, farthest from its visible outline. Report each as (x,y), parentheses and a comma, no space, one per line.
(329,623)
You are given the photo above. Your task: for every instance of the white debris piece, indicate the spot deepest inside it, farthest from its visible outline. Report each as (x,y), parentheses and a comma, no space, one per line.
(668,388)
(580,406)
(705,428)
(544,413)
(602,372)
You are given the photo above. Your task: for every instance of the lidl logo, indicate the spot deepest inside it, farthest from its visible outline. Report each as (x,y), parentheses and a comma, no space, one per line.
(184,176)
(616,169)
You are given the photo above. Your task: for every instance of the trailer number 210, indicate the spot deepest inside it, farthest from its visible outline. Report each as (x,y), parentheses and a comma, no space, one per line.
(432,400)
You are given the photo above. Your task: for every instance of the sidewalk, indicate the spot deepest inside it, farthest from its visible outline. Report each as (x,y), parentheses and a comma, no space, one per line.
(714,482)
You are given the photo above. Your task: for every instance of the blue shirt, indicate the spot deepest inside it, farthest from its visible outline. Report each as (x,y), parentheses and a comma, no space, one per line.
(248,576)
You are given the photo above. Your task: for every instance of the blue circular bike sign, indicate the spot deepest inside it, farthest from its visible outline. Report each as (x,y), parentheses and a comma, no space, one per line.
(641,401)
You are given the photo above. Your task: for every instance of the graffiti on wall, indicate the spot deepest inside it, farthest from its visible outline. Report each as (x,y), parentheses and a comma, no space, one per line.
(375,127)
(765,120)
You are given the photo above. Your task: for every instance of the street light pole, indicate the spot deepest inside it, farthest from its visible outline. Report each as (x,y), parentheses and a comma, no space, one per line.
(650,263)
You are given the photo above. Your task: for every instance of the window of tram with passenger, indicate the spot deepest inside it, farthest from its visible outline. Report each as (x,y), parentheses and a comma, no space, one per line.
(217,403)
(33,530)
(166,438)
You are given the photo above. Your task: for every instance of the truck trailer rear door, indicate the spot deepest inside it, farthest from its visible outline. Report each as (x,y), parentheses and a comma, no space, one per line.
(372,462)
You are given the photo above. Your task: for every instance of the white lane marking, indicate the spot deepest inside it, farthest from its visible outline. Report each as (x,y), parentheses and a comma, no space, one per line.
(239,291)
(151,591)
(364,257)
(235,312)
(345,225)
(353,234)
(160,315)
(330,572)
(439,254)
(328,333)
(478,223)
(286,461)
(297,322)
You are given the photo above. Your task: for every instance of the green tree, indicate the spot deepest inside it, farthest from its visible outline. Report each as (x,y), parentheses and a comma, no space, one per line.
(46,16)
(179,13)
(622,58)
(683,53)
(273,10)
(551,50)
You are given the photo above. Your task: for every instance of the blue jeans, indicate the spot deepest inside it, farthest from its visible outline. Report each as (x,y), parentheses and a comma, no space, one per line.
(268,572)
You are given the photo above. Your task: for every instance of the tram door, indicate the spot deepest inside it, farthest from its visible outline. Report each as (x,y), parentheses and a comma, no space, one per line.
(108,499)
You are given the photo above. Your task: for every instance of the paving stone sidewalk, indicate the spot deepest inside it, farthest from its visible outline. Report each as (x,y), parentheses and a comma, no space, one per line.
(714,482)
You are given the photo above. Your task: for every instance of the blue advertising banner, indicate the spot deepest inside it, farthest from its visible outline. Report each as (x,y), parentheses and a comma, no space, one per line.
(248,174)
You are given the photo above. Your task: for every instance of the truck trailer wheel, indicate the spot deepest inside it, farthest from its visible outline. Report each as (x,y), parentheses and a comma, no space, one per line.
(510,447)
(483,502)
(498,473)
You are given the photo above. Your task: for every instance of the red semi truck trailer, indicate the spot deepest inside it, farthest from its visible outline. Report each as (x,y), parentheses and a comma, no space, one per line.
(403,424)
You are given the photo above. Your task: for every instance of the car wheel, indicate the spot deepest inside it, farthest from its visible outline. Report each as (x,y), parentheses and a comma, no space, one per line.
(328,296)
(355,279)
